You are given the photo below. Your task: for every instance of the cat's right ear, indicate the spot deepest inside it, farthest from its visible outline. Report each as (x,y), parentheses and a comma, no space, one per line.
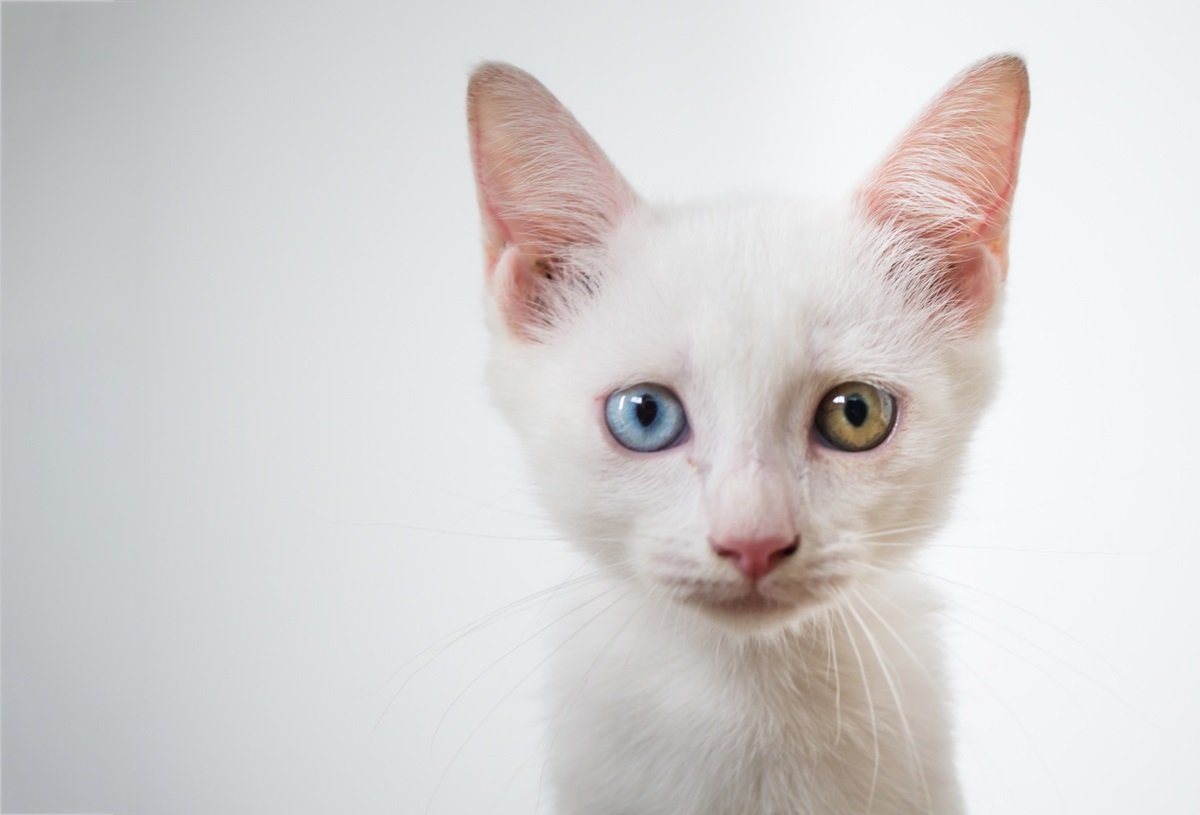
(545,189)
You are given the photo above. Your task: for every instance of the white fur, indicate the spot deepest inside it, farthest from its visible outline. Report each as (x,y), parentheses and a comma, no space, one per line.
(834,700)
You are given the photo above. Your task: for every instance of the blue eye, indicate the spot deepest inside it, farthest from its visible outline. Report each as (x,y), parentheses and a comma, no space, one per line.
(645,418)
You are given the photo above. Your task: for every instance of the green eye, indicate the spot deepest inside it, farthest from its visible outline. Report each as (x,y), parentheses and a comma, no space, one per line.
(855,416)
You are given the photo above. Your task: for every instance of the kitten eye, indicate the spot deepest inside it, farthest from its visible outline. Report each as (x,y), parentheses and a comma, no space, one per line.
(855,416)
(645,417)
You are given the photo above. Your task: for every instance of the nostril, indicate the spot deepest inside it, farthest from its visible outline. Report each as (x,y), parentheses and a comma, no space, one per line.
(756,557)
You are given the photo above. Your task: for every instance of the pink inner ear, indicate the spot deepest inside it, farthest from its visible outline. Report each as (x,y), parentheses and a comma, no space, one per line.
(545,188)
(514,285)
(543,183)
(949,182)
(951,178)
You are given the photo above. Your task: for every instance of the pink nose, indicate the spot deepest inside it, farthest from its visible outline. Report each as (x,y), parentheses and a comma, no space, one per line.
(755,557)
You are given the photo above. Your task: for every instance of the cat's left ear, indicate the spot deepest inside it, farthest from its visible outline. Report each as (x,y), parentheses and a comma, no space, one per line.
(545,190)
(948,184)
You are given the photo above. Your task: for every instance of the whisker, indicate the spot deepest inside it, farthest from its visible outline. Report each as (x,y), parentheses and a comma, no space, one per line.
(837,676)
(870,700)
(1049,623)
(1057,657)
(583,680)
(490,505)
(439,647)
(902,530)
(1021,725)
(509,653)
(549,597)
(920,663)
(968,548)
(453,493)
(891,683)
(518,684)
(455,533)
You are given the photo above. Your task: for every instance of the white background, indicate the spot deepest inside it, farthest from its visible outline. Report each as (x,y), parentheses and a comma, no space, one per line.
(250,471)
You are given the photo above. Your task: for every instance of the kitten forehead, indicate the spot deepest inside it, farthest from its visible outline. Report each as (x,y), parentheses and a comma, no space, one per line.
(755,296)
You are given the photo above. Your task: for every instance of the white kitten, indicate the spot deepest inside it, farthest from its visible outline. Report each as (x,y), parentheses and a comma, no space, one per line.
(750,416)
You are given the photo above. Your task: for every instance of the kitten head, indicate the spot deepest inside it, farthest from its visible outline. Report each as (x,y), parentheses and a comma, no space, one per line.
(750,407)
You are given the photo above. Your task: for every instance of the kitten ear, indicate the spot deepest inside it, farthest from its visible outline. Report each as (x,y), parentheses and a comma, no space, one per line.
(544,188)
(949,182)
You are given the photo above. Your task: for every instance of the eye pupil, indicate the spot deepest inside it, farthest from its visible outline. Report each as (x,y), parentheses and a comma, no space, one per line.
(646,410)
(856,410)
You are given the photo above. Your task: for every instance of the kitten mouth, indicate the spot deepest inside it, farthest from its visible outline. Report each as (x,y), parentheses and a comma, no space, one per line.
(749,604)
(753,605)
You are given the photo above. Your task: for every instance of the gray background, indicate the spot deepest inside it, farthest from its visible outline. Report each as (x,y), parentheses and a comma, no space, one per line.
(249,469)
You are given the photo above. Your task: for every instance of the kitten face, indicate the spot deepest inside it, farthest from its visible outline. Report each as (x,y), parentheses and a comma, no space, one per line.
(734,326)
(750,317)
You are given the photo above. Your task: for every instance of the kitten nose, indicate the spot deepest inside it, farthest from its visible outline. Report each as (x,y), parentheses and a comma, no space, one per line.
(755,557)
